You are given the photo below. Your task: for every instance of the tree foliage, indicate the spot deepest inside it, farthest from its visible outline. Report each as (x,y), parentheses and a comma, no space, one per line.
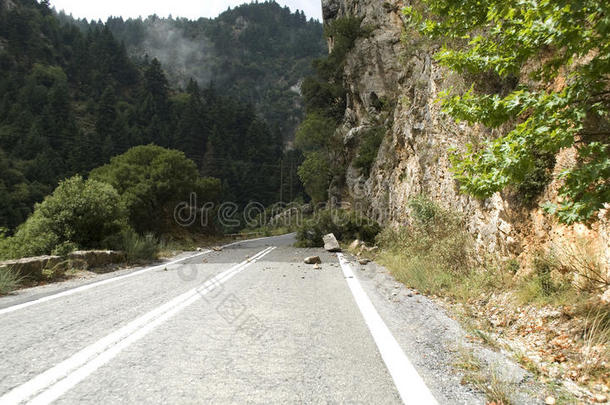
(80,212)
(315,175)
(151,180)
(560,50)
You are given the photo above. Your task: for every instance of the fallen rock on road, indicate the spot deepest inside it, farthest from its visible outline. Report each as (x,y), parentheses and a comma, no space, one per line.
(355,245)
(313,260)
(331,244)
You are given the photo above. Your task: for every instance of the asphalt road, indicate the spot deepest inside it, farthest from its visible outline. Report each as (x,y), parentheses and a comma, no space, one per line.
(250,324)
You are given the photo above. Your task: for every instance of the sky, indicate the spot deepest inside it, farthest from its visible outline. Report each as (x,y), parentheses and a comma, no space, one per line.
(192,9)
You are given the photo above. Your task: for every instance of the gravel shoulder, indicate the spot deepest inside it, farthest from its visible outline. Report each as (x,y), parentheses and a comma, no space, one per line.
(439,346)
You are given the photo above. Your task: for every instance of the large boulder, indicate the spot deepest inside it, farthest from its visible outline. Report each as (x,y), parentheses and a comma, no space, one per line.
(331,244)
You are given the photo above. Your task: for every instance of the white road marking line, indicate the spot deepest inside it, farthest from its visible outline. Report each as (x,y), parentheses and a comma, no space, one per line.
(59,379)
(113,279)
(96,284)
(249,240)
(410,385)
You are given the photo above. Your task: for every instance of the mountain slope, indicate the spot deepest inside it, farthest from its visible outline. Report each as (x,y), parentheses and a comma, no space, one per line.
(257,53)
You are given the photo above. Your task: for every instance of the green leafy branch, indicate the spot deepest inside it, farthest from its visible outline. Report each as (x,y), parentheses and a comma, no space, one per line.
(565,48)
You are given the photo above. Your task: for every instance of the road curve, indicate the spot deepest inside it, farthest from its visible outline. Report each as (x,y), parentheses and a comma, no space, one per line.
(250,324)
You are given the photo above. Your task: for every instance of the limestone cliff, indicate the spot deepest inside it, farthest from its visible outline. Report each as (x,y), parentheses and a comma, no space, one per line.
(397,68)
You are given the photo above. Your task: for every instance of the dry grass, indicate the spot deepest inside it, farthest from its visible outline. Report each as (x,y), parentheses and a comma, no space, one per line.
(485,380)
(467,361)
(495,390)
(596,338)
(432,255)
(9,280)
(527,363)
(582,262)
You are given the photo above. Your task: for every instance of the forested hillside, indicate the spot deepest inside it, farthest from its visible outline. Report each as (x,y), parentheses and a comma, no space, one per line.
(256,53)
(71,98)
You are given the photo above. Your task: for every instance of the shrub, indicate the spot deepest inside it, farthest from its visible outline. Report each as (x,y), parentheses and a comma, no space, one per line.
(423,210)
(368,150)
(64,249)
(563,275)
(80,213)
(136,247)
(33,238)
(315,175)
(5,248)
(584,263)
(344,225)
(344,33)
(535,180)
(315,132)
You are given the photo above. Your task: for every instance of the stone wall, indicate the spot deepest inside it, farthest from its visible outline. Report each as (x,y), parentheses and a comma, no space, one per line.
(32,267)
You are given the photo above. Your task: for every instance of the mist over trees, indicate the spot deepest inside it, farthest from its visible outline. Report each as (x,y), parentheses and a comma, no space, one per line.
(256,53)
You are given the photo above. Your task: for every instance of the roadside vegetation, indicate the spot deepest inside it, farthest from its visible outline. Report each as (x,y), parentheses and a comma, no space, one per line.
(434,253)
(345,225)
(325,101)
(484,379)
(9,280)
(556,304)
(126,205)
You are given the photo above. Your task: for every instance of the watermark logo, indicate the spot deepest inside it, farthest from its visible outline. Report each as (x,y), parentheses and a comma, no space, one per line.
(230,215)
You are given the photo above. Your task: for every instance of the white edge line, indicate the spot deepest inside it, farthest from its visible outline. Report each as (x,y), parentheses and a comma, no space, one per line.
(408,382)
(95,284)
(113,279)
(54,382)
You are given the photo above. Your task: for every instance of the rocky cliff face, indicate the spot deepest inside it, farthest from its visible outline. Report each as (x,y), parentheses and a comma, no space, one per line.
(392,79)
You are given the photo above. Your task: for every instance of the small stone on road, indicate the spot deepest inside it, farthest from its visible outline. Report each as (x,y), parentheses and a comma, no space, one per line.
(313,260)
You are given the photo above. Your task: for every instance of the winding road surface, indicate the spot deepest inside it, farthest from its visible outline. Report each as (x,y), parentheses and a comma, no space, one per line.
(249,324)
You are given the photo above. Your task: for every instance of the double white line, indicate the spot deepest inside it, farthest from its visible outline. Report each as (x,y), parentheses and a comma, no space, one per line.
(56,381)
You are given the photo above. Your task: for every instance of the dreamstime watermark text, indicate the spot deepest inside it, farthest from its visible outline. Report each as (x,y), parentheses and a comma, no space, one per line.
(255,214)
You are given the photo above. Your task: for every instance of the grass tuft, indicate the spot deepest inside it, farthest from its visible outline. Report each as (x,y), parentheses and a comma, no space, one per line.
(9,280)
(486,381)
